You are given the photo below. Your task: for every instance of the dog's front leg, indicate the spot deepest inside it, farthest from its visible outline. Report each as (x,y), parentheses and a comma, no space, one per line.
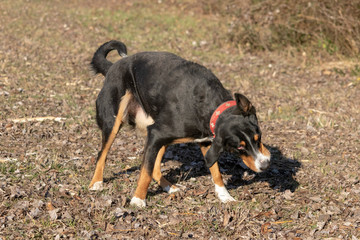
(138,199)
(145,179)
(220,188)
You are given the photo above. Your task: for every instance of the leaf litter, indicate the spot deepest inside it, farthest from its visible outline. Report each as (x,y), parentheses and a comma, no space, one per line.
(309,121)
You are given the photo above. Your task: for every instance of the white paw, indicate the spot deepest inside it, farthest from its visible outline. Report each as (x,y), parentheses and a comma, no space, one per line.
(98,186)
(137,202)
(172,189)
(223,194)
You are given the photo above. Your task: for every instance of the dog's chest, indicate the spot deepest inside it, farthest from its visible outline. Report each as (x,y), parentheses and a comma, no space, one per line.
(142,120)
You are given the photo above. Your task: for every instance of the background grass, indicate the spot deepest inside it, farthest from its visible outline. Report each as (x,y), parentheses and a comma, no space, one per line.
(314,26)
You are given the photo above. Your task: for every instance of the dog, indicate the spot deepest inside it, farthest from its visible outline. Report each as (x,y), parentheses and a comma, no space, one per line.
(173,101)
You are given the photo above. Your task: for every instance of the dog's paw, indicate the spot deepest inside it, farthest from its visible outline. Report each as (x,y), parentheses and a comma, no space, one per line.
(98,186)
(223,194)
(137,202)
(174,188)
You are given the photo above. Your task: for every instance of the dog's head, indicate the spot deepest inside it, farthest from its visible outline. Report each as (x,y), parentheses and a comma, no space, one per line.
(239,132)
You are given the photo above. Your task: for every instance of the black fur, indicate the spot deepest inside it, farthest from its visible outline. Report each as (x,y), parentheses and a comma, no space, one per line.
(179,95)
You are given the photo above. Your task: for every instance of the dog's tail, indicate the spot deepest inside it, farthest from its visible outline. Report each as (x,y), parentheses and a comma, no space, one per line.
(99,63)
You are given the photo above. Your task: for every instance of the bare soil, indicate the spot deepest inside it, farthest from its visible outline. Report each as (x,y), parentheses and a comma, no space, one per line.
(308,108)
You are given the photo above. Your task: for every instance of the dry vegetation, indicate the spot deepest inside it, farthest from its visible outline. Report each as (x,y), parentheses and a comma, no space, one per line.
(330,26)
(296,62)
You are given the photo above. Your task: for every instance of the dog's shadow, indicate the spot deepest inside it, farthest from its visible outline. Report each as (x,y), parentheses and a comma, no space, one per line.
(184,161)
(280,174)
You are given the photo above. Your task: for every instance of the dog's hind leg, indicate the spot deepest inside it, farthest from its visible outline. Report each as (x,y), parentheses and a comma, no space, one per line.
(108,139)
(220,188)
(159,178)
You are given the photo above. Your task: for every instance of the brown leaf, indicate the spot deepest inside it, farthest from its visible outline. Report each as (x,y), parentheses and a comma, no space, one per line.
(288,195)
(49,206)
(315,198)
(265,214)
(200,192)
(265,228)
(171,196)
(227,218)
(53,214)
(35,212)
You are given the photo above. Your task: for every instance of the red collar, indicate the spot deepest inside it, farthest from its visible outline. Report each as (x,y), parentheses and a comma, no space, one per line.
(218,112)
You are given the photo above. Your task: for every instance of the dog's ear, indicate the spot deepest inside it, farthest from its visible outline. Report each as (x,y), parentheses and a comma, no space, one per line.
(243,103)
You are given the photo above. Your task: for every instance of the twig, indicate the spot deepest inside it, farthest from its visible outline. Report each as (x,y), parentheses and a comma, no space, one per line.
(4,160)
(122,230)
(189,213)
(36,119)
(187,174)
(318,111)
(281,222)
(171,233)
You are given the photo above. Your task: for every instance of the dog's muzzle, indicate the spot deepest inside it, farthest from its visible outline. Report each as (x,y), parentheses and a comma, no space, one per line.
(262,162)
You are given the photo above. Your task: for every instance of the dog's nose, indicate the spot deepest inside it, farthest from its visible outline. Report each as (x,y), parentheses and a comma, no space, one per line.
(264,165)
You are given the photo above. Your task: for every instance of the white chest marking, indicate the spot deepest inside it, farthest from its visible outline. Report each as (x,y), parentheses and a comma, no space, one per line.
(142,120)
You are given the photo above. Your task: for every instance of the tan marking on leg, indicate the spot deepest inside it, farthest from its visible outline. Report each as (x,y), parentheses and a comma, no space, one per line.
(157,175)
(250,162)
(102,141)
(256,137)
(98,174)
(143,184)
(182,140)
(204,149)
(216,175)
(220,189)
(214,169)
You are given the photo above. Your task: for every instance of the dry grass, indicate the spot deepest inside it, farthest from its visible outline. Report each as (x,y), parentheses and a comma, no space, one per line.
(325,26)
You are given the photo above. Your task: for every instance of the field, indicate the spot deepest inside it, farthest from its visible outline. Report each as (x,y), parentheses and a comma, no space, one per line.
(307,103)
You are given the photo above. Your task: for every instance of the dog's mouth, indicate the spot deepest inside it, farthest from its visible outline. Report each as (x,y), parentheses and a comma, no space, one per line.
(237,151)
(258,162)
(241,149)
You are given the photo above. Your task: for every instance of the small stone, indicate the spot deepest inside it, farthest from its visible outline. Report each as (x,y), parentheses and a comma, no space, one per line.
(304,151)
(34,213)
(288,195)
(53,214)
(119,212)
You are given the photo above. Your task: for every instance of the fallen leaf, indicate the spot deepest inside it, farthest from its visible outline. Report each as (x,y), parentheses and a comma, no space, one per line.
(49,206)
(265,228)
(315,198)
(53,214)
(227,218)
(288,195)
(34,213)
(265,214)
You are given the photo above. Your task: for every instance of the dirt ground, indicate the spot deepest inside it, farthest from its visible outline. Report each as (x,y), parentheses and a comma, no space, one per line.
(308,109)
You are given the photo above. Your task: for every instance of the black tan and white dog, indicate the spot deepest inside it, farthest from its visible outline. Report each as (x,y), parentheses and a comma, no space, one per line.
(174,101)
